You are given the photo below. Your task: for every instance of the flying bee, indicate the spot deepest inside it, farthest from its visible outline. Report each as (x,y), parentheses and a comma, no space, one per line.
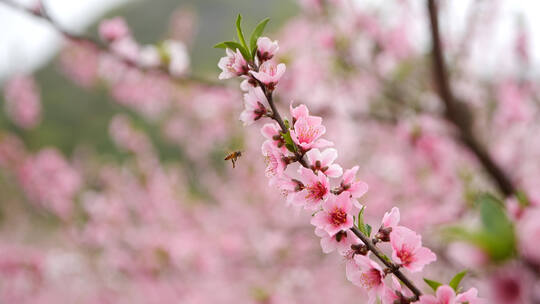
(233,157)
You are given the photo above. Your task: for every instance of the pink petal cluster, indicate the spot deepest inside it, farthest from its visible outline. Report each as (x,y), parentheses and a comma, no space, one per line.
(269,73)
(266,48)
(255,106)
(113,29)
(232,65)
(407,249)
(23,102)
(446,295)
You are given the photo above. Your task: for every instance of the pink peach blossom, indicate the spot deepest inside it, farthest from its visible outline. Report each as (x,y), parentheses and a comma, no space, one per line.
(340,241)
(269,73)
(391,219)
(315,189)
(23,102)
(446,295)
(407,249)
(307,132)
(232,65)
(266,48)
(324,162)
(335,215)
(255,106)
(113,29)
(275,165)
(368,275)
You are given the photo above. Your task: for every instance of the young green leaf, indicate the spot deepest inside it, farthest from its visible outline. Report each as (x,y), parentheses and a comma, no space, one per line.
(257,32)
(433,284)
(289,144)
(240,33)
(360,223)
(454,283)
(221,45)
(368,230)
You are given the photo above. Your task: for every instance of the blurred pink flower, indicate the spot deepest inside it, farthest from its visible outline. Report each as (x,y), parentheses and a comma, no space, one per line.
(113,29)
(50,181)
(23,102)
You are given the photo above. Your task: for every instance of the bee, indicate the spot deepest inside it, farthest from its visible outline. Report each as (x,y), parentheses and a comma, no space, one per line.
(233,157)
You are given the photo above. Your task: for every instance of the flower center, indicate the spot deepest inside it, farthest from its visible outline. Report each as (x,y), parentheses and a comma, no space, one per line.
(317,191)
(307,134)
(338,217)
(370,278)
(405,256)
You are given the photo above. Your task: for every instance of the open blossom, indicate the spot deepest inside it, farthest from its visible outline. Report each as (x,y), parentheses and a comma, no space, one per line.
(255,106)
(340,241)
(232,65)
(269,73)
(272,131)
(275,164)
(23,103)
(113,29)
(407,249)
(314,190)
(367,274)
(266,48)
(335,214)
(356,189)
(307,133)
(446,295)
(324,162)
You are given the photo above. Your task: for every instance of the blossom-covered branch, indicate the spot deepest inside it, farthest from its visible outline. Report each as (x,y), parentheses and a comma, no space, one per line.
(338,215)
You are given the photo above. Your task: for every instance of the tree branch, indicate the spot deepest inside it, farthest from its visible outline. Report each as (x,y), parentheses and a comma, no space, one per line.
(458,114)
(42,14)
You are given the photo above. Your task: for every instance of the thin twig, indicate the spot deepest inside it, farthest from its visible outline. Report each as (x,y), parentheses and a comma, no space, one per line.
(42,14)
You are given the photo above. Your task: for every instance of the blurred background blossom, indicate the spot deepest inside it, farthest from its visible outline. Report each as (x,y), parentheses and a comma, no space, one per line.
(113,187)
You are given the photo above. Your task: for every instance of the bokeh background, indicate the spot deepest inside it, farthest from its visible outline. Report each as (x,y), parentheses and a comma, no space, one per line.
(116,190)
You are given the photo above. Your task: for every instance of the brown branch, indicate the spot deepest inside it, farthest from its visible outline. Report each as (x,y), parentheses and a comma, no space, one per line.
(458,114)
(42,14)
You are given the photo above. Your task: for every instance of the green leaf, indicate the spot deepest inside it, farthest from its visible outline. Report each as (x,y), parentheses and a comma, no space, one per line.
(495,236)
(289,144)
(368,230)
(360,223)
(257,32)
(286,122)
(433,284)
(240,33)
(454,283)
(233,45)
(221,45)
